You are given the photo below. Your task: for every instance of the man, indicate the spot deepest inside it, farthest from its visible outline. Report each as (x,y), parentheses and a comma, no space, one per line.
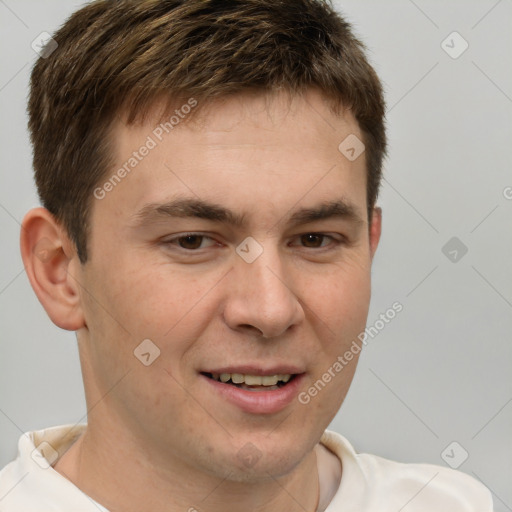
(209,173)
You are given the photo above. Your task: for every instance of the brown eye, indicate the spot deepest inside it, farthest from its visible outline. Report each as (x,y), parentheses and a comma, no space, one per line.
(190,242)
(312,240)
(187,243)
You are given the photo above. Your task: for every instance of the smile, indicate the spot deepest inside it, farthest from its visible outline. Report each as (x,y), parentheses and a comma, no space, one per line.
(254,394)
(252,382)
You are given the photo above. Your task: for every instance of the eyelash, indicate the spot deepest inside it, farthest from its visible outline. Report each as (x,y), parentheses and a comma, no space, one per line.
(337,242)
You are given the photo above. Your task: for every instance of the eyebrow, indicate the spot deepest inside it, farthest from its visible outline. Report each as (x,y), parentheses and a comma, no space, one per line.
(198,208)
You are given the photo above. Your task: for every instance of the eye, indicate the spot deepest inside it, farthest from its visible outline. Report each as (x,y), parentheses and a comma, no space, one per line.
(316,240)
(189,241)
(192,242)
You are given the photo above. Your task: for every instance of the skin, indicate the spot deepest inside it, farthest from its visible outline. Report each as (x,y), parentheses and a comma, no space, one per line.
(158,436)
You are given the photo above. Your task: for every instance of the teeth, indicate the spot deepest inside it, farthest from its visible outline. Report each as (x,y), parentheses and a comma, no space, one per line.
(269,380)
(237,378)
(251,380)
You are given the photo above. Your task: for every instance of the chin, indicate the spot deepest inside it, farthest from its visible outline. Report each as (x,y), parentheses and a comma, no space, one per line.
(264,458)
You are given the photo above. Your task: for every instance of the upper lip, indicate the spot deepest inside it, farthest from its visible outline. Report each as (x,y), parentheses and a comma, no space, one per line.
(258,370)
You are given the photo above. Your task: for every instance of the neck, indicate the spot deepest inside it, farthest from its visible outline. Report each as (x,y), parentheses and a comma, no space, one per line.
(113,470)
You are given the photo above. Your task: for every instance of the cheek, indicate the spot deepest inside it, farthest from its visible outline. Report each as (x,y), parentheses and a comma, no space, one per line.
(155,302)
(341,300)
(168,304)
(149,299)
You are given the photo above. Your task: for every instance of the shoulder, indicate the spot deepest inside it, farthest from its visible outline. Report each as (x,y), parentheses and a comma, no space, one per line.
(416,487)
(425,485)
(30,484)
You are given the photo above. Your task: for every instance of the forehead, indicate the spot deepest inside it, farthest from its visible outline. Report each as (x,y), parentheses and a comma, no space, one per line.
(269,119)
(250,152)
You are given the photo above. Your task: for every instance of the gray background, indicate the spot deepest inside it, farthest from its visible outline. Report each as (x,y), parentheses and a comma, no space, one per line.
(441,370)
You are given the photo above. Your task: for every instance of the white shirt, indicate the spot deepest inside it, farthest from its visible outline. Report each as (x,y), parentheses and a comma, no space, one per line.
(368,483)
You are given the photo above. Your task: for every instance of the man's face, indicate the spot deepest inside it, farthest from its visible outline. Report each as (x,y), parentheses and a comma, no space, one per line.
(194,289)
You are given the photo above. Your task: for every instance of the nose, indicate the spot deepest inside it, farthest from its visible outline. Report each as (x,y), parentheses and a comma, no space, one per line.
(261,296)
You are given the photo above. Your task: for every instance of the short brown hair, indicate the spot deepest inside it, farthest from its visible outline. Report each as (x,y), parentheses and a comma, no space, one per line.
(120,56)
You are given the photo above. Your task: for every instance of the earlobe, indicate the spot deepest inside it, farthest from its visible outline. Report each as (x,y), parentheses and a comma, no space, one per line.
(47,256)
(375,230)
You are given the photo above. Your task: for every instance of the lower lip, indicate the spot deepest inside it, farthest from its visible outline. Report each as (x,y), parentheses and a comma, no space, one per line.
(258,402)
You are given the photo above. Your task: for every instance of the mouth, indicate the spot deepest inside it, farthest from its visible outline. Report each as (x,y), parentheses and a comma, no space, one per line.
(253,382)
(253,389)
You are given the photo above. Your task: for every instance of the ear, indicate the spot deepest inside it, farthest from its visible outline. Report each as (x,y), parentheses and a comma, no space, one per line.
(375,230)
(49,258)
